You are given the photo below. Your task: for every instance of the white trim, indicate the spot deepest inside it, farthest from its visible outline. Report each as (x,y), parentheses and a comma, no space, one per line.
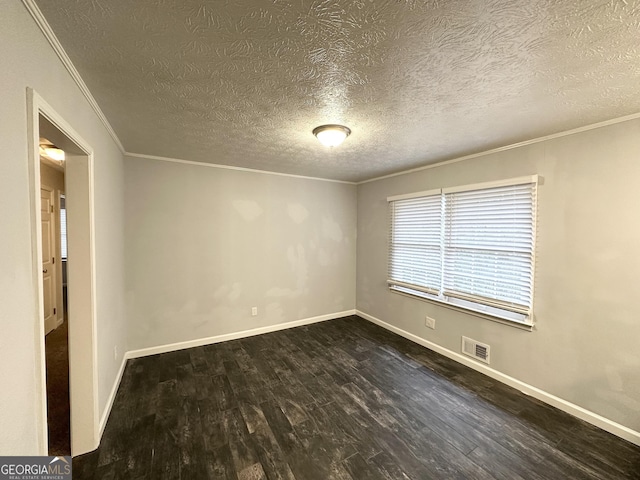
(33,113)
(172,347)
(507,182)
(94,296)
(37,106)
(527,327)
(568,407)
(46,29)
(553,136)
(112,396)
(408,196)
(534,246)
(231,167)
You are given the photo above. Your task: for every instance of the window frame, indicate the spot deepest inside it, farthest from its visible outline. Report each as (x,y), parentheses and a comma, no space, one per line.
(501,315)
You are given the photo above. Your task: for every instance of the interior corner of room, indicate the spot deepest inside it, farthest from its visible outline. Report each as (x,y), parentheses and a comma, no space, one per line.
(233,233)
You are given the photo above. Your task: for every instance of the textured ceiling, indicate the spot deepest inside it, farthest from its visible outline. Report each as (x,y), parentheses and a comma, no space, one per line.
(243,82)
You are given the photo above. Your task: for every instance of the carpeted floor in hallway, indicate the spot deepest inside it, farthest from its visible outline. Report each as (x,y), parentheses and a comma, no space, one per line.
(57,357)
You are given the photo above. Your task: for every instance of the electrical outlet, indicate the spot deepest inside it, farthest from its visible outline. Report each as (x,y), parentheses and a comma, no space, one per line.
(115,352)
(254,311)
(430,322)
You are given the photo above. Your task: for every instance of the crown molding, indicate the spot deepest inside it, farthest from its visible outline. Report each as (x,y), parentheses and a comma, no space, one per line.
(231,167)
(44,26)
(565,133)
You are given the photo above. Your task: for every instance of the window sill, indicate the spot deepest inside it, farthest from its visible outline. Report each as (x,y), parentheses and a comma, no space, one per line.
(470,311)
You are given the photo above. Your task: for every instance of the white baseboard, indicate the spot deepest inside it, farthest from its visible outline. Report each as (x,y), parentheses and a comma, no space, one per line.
(571,408)
(51,324)
(112,397)
(172,347)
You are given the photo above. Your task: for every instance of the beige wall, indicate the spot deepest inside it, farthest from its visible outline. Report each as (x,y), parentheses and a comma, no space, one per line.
(585,345)
(25,55)
(204,245)
(52,177)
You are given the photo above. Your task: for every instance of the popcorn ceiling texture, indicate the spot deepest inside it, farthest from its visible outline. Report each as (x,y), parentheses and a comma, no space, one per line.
(243,82)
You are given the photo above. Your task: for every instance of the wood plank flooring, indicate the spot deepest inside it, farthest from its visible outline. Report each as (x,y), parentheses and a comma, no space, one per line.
(58,410)
(343,399)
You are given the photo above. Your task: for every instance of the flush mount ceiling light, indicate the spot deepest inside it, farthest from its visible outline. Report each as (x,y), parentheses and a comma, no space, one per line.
(331,135)
(50,151)
(54,154)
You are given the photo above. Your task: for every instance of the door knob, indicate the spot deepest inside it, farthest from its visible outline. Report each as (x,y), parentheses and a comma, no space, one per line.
(44,271)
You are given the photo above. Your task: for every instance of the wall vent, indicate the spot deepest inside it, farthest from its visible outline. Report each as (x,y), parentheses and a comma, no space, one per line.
(475,349)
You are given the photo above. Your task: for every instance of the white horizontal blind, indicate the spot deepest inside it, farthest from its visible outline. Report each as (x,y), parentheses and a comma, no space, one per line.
(488,246)
(415,254)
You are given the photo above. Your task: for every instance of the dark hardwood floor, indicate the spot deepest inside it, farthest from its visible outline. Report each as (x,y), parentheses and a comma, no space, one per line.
(342,399)
(58,411)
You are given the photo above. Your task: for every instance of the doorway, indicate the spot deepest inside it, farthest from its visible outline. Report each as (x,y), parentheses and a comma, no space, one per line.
(80,317)
(54,256)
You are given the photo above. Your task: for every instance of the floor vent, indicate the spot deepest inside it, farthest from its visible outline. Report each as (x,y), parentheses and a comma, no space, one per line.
(475,349)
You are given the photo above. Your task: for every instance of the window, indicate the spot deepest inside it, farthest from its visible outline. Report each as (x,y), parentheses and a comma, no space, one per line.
(471,247)
(63,228)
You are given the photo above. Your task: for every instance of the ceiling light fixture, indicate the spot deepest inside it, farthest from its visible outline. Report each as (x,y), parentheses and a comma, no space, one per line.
(55,154)
(49,151)
(331,135)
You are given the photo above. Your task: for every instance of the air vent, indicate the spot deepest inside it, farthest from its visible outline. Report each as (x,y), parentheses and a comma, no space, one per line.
(475,349)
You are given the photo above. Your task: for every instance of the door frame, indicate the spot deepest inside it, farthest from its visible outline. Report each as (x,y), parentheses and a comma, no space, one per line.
(83,374)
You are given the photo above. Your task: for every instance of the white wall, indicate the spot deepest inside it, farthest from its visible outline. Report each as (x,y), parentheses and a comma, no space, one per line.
(204,245)
(28,61)
(585,345)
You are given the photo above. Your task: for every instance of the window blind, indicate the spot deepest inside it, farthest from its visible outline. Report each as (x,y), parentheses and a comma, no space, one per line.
(472,247)
(415,258)
(488,247)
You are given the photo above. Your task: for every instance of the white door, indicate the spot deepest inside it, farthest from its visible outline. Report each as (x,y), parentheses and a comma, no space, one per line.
(48,258)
